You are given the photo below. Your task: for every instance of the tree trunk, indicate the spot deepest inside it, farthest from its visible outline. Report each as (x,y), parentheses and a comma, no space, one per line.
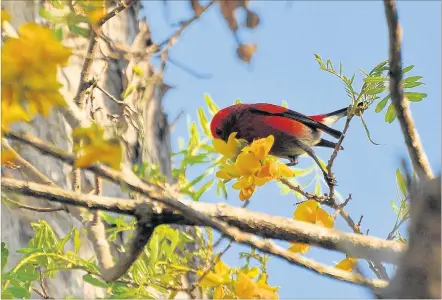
(150,142)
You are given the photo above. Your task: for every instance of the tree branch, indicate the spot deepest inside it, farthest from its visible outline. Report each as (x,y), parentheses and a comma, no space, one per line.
(412,141)
(355,245)
(249,221)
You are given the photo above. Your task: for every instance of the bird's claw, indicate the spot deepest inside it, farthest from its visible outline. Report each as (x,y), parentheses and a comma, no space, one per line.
(293,162)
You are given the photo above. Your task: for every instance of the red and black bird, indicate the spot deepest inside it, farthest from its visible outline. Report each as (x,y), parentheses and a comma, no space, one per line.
(294,132)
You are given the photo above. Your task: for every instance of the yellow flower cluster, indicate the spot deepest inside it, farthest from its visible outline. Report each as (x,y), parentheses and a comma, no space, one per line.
(250,165)
(243,287)
(94,10)
(310,211)
(91,147)
(29,74)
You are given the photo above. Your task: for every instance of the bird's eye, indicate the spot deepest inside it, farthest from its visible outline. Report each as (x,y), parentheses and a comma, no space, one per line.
(219,132)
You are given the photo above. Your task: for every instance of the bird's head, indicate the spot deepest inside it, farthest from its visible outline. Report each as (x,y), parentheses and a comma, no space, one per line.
(222,121)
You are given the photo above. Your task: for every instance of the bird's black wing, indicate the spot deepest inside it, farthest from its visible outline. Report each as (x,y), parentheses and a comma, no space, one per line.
(291,114)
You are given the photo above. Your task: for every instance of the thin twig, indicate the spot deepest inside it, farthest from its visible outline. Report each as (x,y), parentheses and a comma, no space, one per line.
(33,208)
(169,42)
(27,166)
(334,155)
(412,141)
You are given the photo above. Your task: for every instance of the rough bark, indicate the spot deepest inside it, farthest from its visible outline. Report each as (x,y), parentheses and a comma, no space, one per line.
(114,74)
(419,272)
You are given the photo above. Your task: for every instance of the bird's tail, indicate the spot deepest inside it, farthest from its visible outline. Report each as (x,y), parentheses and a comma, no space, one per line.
(331,118)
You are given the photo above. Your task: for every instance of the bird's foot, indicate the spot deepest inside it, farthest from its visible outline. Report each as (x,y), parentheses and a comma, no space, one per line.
(293,161)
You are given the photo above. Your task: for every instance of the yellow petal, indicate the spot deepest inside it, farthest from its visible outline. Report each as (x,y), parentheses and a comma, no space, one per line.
(247,163)
(253,272)
(261,147)
(5,16)
(245,287)
(218,293)
(246,193)
(8,157)
(306,211)
(285,171)
(324,219)
(12,114)
(221,268)
(347,264)
(299,248)
(243,182)
(210,280)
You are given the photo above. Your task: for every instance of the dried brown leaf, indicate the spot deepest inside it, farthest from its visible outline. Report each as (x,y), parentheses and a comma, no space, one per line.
(246,51)
(228,11)
(252,19)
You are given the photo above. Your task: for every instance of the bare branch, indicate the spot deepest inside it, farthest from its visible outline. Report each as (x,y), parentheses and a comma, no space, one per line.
(267,226)
(412,141)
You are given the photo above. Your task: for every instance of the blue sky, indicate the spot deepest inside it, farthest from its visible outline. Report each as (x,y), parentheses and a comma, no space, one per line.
(284,68)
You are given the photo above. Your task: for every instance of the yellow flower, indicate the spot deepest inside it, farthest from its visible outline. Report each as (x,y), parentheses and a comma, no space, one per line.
(91,147)
(264,291)
(94,10)
(5,16)
(217,277)
(247,164)
(29,69)
(246,288)
(311,212)
(8,157)
(347,264)
(229,149)
(261,147)
(12,113)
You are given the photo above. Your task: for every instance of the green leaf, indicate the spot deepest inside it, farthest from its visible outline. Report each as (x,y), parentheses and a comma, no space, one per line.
(202,119)
(401,182)
(412,79)
(237,101)
(129,90)
(390,115)
(94,281)
(203,189)
(154,249)
(414,96)
(58,33)
(319,60)
(18,292)
(194,135)
(407,69)
(77,241)
(375,91)
(5,255)
(284,104)
(375,79)
(79,30)
(27,273)
(318,188)
(45,14)
(62,243)
(137,70)
(394,206)
(380,106)
(213,108)
(58,4)
(412,85)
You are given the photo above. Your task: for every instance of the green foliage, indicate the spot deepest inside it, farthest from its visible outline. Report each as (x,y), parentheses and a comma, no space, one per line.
(375,83)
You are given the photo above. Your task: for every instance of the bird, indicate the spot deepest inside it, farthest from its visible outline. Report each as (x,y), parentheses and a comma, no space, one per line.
(294,133)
